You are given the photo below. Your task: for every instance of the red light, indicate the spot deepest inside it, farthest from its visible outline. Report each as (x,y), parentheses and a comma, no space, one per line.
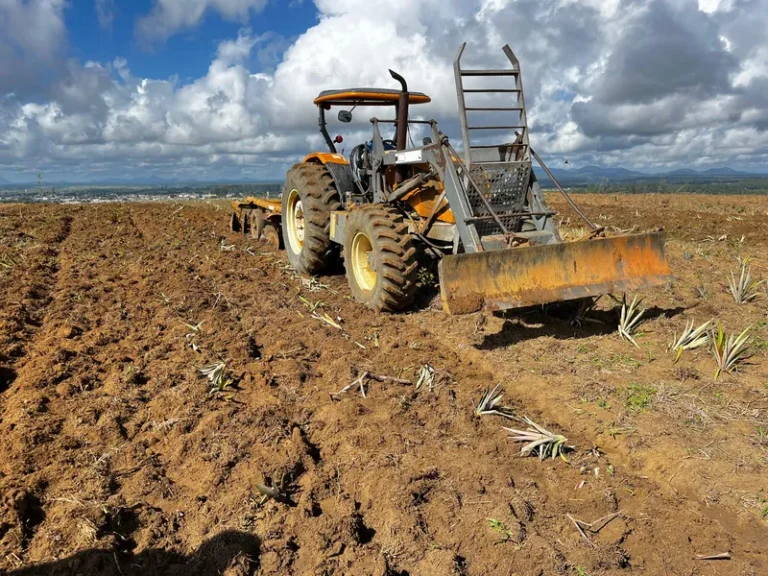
(338,139)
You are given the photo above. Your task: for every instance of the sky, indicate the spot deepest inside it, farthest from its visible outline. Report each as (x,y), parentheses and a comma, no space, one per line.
(92,90)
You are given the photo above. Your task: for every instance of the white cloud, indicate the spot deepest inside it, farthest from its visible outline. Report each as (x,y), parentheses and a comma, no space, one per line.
(32,35)
(710,6)
(647,83)
(105,12)
(169,16)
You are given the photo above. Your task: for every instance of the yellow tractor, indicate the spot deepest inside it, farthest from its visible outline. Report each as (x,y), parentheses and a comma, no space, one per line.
(481,211)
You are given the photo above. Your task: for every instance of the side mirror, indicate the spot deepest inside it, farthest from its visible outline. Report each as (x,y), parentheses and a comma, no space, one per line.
(345,116)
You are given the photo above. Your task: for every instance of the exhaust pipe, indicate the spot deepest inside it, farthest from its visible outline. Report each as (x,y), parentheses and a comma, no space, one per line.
(401,136)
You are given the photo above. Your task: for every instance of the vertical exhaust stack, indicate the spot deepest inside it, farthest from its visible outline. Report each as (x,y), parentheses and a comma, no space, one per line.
(401,127)
(401,139)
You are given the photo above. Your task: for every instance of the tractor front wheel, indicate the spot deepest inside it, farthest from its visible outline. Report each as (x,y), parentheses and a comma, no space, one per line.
(380,258)
(309,197)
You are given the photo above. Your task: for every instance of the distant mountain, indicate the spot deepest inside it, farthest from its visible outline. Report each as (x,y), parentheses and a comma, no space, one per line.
(682,172)
(610,173)
(589,175)
(597,174)
(574,177)
(724,172)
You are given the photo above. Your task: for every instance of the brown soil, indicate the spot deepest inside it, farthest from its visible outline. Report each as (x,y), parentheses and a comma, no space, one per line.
(117,460)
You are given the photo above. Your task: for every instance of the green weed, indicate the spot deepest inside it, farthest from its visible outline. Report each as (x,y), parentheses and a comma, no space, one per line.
(616,360)
(761,435)
(501,528)
(639,397)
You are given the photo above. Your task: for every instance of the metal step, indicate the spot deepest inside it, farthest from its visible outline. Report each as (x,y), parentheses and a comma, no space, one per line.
(495,127)
(500,163)
(516,104)
(490,90)
(507,72)
(508,215)
(504,145)
(492,108)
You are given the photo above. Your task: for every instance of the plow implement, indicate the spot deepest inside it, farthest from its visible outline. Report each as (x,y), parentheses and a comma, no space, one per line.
(528,276)
(259,217)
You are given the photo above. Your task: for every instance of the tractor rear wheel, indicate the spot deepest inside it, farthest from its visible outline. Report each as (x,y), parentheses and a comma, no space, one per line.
(380,258)
(309,196)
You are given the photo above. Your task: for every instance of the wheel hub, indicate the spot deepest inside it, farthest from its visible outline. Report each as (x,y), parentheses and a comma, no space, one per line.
(294,221)
(363,262)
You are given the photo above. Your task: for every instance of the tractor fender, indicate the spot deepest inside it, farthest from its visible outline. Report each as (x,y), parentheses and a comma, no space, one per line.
(339,169)
(325,158)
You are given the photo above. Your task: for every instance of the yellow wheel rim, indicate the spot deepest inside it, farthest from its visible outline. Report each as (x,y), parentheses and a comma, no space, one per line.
(294,221)
(363,264)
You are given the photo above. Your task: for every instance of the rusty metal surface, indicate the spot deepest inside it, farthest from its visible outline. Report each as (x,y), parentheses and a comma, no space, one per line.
(533,275)
(268,204)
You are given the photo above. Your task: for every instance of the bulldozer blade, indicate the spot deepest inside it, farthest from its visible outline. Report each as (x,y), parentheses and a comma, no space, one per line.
(527,276)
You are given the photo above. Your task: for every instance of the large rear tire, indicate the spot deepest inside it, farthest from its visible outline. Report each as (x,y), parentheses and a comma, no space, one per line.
(309,196)
(380,258)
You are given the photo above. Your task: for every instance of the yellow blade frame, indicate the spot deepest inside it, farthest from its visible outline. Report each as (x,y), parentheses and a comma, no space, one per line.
(527,276)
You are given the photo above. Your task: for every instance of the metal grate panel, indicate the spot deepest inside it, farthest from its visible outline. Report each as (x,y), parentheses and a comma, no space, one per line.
(505,187)
(490,228)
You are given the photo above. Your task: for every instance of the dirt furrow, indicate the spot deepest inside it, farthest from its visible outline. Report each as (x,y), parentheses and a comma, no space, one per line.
(121,458)
(29,257)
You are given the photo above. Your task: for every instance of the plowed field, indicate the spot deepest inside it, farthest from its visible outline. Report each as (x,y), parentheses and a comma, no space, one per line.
(116,458)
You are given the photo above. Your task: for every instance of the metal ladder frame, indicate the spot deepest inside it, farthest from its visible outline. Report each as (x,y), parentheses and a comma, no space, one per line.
(460,73)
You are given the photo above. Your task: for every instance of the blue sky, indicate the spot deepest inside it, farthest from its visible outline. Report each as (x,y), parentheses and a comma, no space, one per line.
(93,90)
(186,54)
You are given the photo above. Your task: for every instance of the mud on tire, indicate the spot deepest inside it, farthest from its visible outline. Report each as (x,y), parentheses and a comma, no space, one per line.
(380,258)
(309,196)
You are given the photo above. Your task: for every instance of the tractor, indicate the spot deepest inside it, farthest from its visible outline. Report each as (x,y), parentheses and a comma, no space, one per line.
(480,211)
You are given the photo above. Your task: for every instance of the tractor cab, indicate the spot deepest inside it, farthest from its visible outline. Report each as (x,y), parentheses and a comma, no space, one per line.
(353,97)
(349,99)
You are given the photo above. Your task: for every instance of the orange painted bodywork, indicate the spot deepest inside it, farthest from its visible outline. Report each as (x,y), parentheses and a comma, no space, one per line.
(325,158)
(423,200)
(531,275)
(268,205)
(368,98)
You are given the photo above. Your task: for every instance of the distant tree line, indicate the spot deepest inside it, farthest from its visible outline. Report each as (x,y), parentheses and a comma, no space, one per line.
(273,189)
(743,186)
